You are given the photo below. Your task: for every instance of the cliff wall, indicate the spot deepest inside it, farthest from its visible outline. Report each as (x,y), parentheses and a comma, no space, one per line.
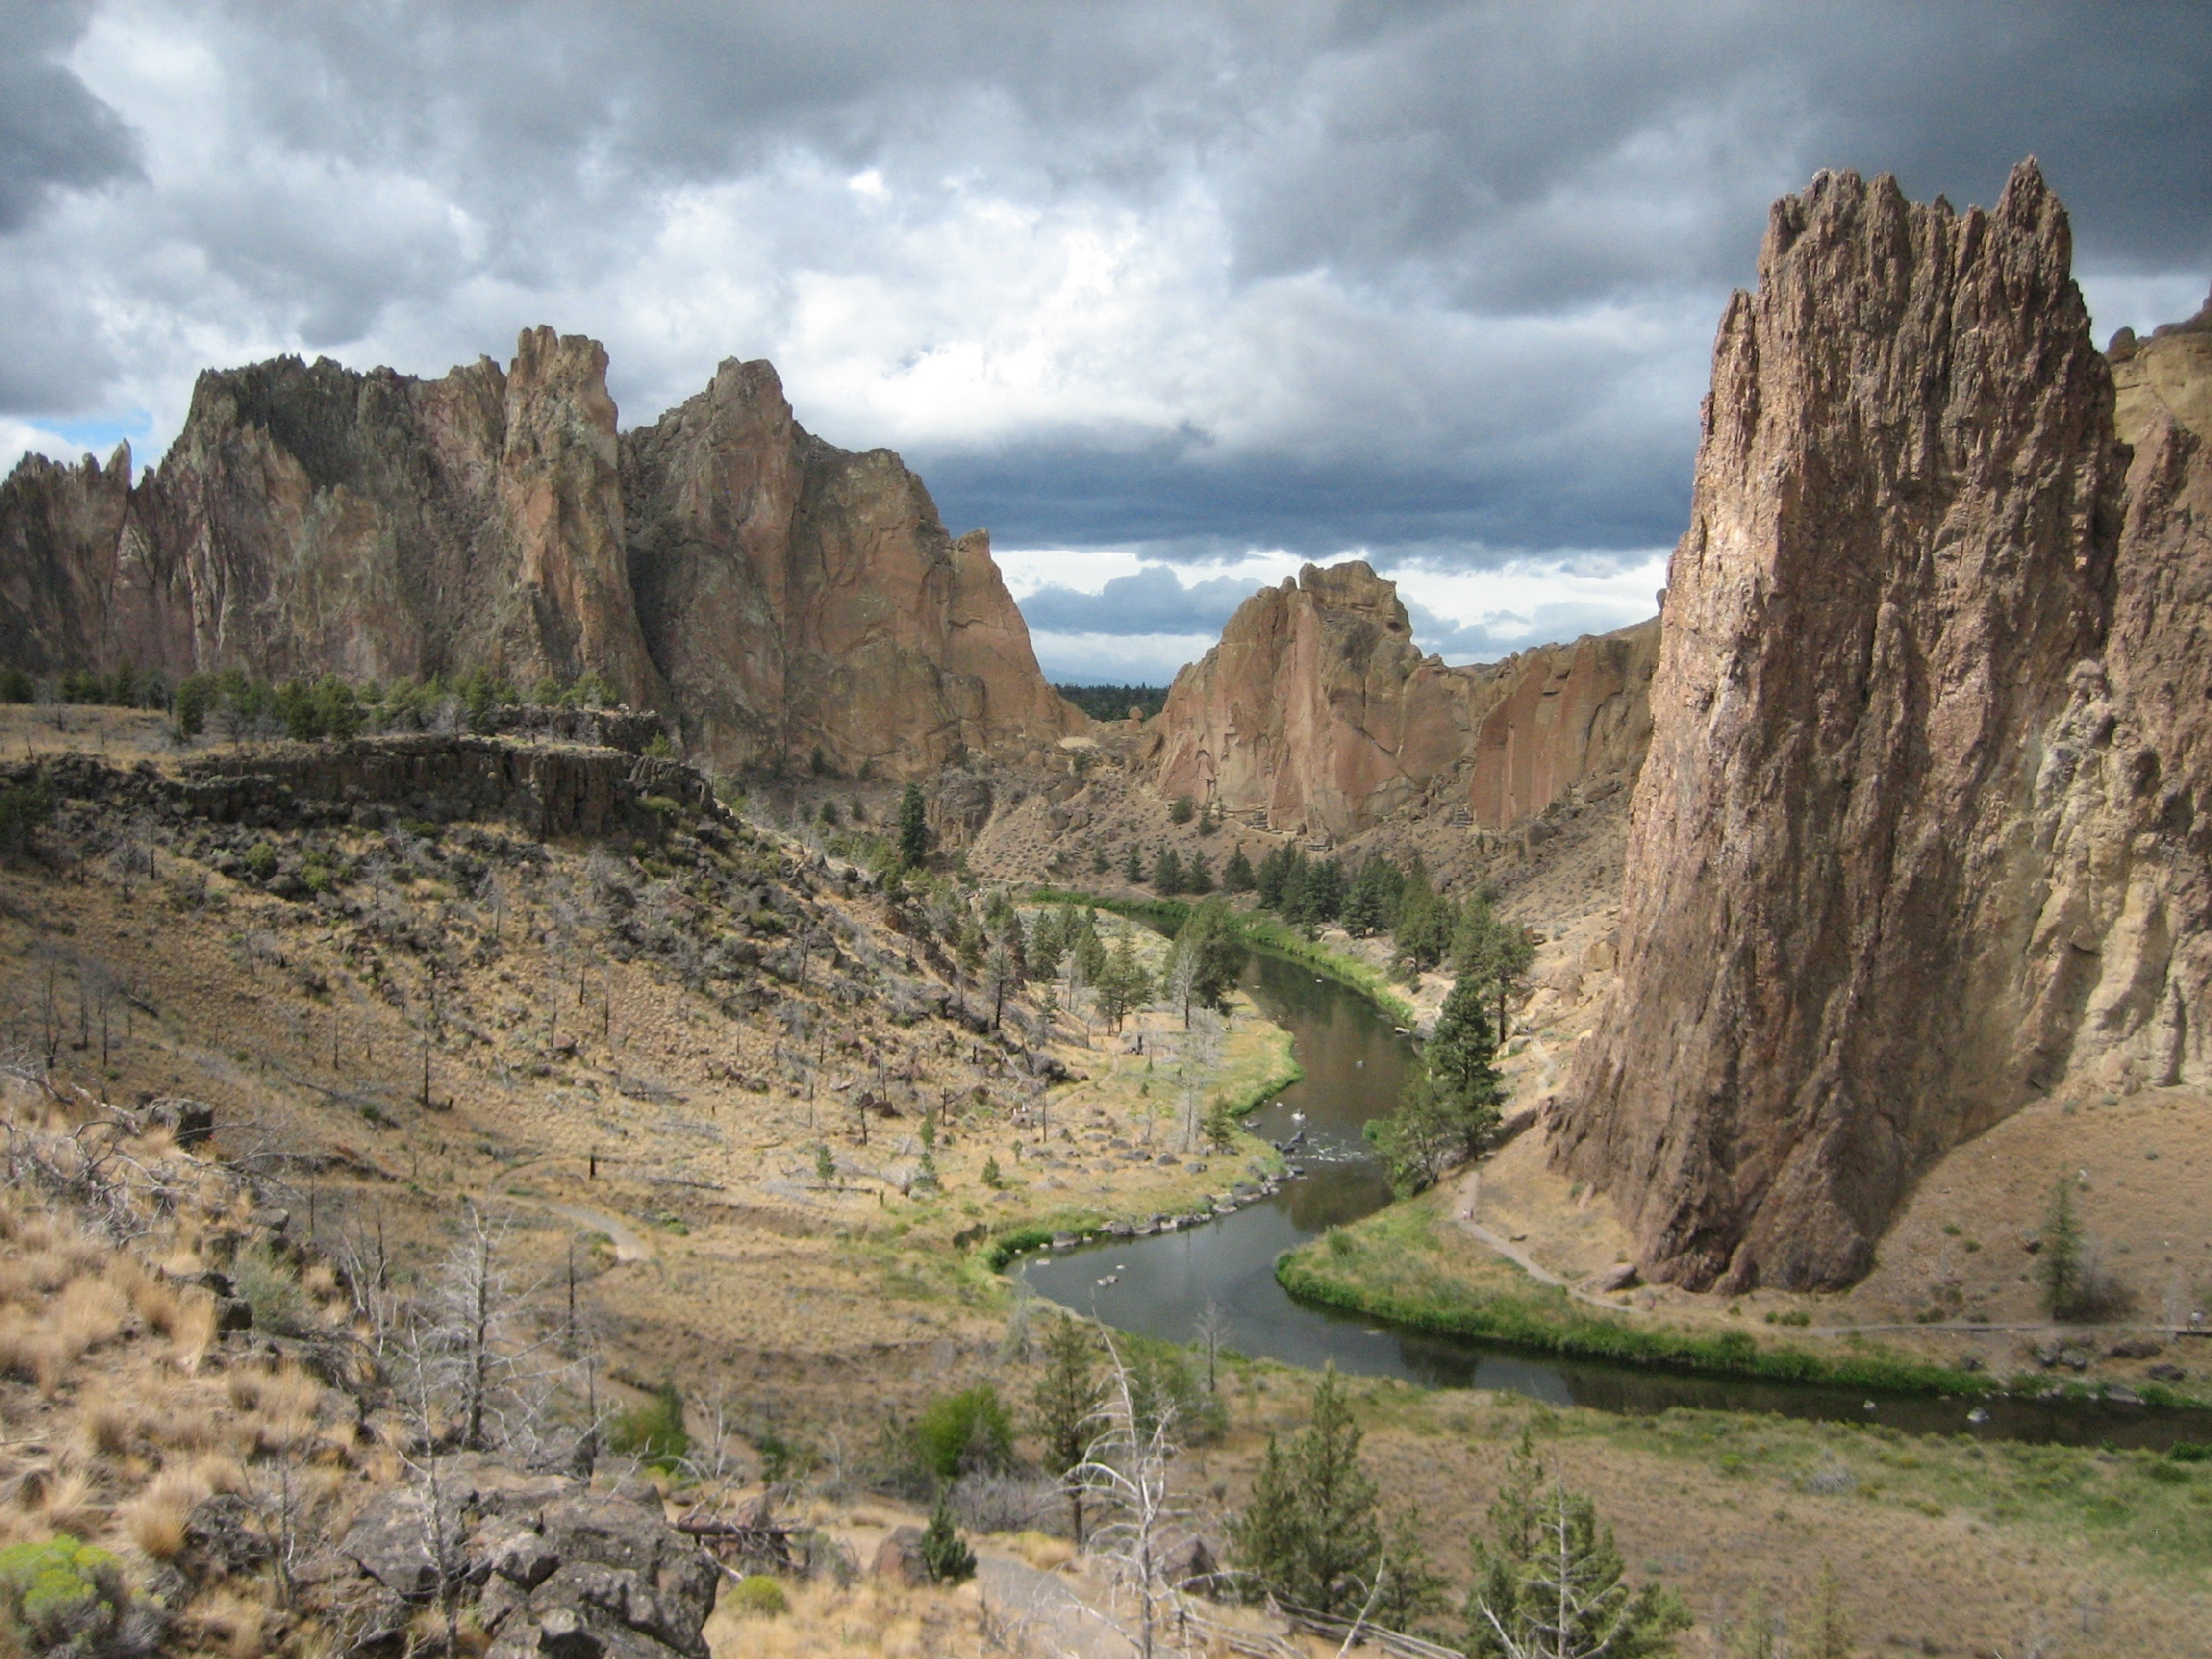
(781,597)
(1317,708)
(1925,826)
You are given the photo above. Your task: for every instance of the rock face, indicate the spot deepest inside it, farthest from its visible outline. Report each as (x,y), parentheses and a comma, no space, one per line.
(2170,375)
(1923,831)
(779,596)
(1317,708)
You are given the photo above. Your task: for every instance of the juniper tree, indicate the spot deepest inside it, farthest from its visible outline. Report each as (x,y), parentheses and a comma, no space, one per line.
(1236,875)
(2059,1264)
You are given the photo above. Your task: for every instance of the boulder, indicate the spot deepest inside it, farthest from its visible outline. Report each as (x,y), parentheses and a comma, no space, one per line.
(898,1558)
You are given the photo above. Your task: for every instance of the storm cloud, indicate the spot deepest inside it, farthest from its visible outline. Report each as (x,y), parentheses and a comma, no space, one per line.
(1179,284)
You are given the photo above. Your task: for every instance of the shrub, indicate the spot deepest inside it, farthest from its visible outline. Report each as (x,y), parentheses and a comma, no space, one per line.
(660,748)
(963,1432)
(759,1596)
(260,858)
(22,810)
(16,687)
(62,1596)
(655,1430)
(943,1557)
(1181,810)
(280,1307)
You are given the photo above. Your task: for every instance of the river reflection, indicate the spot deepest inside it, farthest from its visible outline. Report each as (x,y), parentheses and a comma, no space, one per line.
(1355,1064)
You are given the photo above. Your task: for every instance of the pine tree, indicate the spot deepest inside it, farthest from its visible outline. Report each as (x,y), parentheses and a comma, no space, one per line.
(1549,1581)
(1167,873)
(2059,1264)
(914,827)
(1065,1407)
(1196,877)
(1132,867)
(1310,1536)
(1236,875)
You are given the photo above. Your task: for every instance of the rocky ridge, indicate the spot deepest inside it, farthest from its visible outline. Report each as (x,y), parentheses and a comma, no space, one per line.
(782,598)
(1925,832)
(1317,710)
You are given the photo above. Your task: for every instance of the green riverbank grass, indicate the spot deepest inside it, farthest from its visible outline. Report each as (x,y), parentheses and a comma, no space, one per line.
(1258,929)
(1408,1263)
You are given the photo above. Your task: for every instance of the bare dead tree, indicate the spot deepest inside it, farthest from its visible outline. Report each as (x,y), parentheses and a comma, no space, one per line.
(1126,1474)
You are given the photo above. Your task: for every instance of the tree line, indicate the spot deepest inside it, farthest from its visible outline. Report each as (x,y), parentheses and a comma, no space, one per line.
(306,710)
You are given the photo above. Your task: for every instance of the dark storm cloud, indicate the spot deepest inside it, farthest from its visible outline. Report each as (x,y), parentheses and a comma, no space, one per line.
(54,133)
(1429,278)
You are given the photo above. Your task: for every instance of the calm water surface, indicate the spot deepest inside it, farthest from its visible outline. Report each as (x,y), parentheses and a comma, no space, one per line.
(1354,1064)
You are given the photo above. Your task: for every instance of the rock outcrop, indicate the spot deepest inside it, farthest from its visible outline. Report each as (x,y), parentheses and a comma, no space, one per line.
(782,598)
(1924,828)
(2169,376)
(805,600)
(1317,708)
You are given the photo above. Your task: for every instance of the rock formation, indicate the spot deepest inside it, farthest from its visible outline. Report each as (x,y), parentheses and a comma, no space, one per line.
(1923,831)
(1317,708)
(781,597)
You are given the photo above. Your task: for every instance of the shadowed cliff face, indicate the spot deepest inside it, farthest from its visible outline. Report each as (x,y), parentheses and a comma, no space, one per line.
(778,595)
(1922,832)
(1318,708)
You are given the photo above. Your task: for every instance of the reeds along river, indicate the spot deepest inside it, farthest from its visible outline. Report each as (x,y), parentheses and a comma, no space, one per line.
(1355,1064)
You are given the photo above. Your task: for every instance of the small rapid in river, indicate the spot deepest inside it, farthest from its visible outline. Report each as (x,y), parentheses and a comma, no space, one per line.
(1355,1064)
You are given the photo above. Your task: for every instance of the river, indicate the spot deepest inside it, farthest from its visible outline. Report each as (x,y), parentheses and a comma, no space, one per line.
(1355,1061)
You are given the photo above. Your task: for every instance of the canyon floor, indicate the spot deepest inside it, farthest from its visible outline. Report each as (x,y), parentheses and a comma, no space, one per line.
(643,1119)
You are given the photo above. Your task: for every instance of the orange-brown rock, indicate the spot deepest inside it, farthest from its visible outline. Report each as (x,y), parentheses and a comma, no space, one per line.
(1317,708)
(781,597)
(1556,715)
(1924,828)
(2169,374)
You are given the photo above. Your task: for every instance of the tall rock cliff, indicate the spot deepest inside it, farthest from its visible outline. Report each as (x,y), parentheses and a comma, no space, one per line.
(1923,831)
(783,598)
(1317,708)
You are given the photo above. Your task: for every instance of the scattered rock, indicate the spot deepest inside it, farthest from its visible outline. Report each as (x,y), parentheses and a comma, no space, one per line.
(1620,1276)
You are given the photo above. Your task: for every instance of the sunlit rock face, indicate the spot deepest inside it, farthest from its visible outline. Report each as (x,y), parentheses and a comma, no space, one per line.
(1923,833)
(775,595)
(1317,708)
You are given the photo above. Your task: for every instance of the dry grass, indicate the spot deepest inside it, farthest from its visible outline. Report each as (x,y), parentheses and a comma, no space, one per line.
(870,1618)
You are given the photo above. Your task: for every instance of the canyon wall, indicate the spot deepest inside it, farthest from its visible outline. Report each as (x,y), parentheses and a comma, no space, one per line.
(1925,827)
(780,597)
(1317,708)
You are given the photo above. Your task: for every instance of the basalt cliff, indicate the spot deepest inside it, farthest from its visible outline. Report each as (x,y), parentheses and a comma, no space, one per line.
(1317,709)
(1925,830)
(781,598)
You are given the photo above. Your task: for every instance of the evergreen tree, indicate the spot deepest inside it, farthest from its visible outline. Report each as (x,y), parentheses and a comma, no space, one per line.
(1167,873)
(1310,1536)
(943,1557)
(1371,905)
(1196,877)
(1495,954)
(1549,1581)
(2059,1264)
(1236,875)
(1275,868)
(1065,1405)
(1426,923)
(1458,1054)
(1207,956)
(1132,867)
(1046,940)
(914,827)
(1122,985)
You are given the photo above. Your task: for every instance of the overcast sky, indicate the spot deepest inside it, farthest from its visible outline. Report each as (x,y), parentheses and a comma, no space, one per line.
(1172,297)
